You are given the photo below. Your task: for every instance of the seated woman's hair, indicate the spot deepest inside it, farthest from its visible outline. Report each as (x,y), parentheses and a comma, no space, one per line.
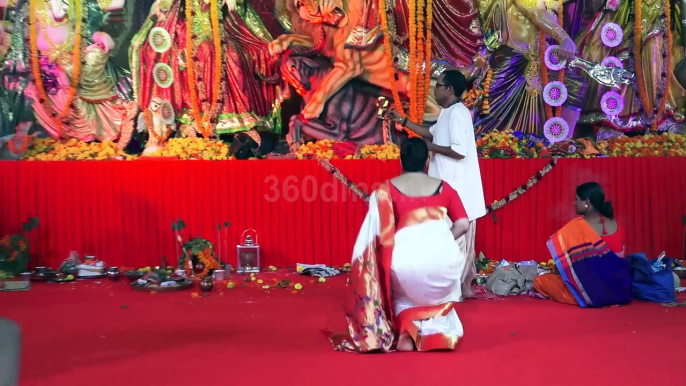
(593,192)
(413,155)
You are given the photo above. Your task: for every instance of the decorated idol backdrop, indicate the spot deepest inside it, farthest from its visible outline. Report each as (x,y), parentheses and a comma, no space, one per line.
(137,76)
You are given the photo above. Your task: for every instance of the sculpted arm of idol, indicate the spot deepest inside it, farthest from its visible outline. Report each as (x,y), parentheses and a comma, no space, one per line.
(548,23)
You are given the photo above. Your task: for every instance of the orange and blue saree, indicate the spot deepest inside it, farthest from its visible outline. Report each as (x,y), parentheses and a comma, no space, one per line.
(593,274)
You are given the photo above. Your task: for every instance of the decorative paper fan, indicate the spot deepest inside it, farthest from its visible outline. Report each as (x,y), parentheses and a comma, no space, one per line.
(556,129)
(612,61)
(612,103)
(611,34)
(555,94)
(159,40)
(553,60)
(167,112)
(163,75)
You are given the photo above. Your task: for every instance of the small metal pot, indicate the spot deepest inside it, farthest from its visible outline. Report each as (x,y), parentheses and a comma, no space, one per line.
(206,284)
(113,273)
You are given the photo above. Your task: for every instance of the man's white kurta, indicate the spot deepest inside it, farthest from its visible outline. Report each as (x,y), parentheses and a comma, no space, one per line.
(455,129)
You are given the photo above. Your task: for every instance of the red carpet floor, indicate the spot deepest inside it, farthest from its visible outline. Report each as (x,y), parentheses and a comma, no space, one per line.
(88,333)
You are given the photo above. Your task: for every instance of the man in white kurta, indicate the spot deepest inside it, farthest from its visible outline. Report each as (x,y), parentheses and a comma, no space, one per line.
(455,159)
(454,129)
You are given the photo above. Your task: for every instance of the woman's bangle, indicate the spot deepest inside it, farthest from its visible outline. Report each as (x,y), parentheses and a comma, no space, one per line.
(404,121)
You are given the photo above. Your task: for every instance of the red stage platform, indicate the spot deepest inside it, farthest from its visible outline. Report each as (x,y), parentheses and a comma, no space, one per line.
(122,212)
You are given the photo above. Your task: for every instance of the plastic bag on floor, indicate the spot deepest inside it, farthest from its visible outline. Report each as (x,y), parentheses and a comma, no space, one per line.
(506,280)
(318,270)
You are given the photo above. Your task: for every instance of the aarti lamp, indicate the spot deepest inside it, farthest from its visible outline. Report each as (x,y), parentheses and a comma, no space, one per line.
(248,253)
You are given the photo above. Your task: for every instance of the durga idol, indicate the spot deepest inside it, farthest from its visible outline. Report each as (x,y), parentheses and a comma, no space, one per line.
(201,56)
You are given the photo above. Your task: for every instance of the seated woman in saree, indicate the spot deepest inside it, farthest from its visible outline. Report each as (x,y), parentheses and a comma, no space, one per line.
(589,255)
(406,266)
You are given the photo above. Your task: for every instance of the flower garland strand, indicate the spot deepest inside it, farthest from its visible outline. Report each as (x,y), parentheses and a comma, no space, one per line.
(427,54)
(214,17)
(151,130)
(544,69)
(658,111)
(413,60)
(204,124)
(326,164)
(389,64)
(499,204)
(17,151)
(419,62)
(76,62)
(560,21)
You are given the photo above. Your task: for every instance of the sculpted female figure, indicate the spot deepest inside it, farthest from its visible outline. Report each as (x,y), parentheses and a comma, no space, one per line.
(516,100)
(657,81)
(73,93)
(203,61)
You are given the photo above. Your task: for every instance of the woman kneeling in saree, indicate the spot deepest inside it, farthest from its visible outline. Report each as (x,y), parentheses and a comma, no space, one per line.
(407,266)
(589,255)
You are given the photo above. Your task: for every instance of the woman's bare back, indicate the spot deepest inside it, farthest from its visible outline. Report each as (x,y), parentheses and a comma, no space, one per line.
(416,184)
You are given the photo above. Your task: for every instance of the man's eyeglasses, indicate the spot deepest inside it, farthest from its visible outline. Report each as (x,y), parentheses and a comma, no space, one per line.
(441,85)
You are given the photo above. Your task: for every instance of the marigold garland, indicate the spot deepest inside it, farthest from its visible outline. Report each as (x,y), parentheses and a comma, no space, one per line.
(204,124)
(638,34)
(418,87)
(24,146)
(390,67)
(151,130)
(427,54)
(560,21)
(412,24)
(389,58)
(485,106)
(544,69)
(76,62)
(524,188)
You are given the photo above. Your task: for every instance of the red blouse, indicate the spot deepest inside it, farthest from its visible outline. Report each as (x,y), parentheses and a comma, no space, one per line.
(616,241)
(445,198)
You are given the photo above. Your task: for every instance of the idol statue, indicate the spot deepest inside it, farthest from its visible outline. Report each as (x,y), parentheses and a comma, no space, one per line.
(515,86)
(350,33)
(75,91)
(93,109)
(655,99)
(202,57)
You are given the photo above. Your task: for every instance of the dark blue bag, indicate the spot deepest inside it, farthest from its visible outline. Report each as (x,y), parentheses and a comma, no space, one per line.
(653,279)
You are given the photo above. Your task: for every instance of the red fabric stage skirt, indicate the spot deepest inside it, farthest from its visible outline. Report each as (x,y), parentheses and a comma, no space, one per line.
(122,212)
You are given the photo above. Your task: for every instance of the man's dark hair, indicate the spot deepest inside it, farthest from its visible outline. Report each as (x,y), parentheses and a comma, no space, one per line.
(455,79)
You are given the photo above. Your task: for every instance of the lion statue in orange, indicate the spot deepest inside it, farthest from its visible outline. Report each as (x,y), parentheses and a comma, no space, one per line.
(349,32)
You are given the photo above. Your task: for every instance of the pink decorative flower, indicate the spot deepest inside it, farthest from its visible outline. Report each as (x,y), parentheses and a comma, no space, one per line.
(556,129)
(555,94)
(553,60)
(612,103)
(612,5)
(612,34)
(612,61)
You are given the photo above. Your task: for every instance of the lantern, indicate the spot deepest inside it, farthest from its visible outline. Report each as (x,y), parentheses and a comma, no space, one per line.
(248,253)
